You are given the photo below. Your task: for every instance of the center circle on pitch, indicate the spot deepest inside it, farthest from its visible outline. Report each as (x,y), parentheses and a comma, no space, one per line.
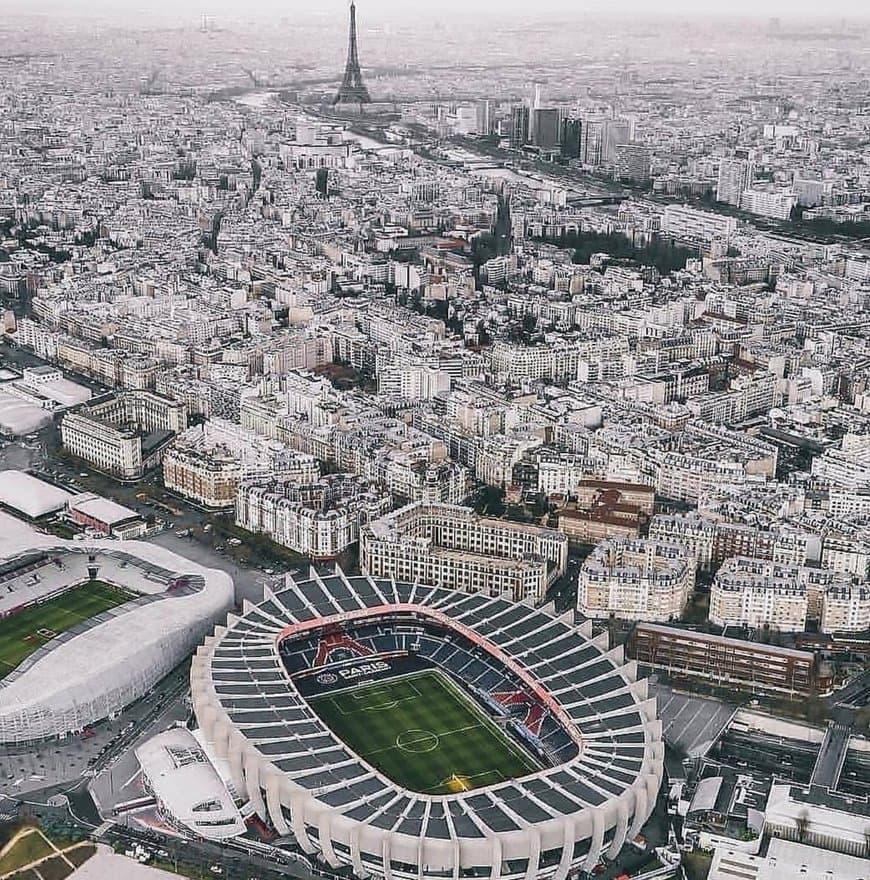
(417,741)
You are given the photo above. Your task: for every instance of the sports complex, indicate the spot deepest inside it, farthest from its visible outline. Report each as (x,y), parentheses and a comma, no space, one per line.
(409,731)
(88,627)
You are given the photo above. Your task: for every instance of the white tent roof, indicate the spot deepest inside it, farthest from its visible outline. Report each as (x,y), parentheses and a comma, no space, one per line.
(188,786)
(103,509)
(30,496)
(19,417)
(107,865)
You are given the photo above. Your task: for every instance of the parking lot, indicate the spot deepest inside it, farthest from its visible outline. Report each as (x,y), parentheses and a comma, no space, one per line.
(691,724)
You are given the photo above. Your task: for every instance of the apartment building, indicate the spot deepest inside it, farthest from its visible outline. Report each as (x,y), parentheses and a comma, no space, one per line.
(768,203)
(845,608)
(760,594)
(712,542)
(691,532)
(846,553)
(207,463)
(746,398)
(451,546)
(320,520)
(691,224)
(735,176)
(726,662)
(635,579)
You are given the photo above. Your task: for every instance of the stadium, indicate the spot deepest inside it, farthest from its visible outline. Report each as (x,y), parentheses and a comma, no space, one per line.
(409,731)
(88,627)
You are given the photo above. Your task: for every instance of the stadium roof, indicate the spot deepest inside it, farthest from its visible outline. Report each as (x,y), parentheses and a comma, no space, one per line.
(188,786)
(104,664)
(29,495)
(19,417)
(248,705)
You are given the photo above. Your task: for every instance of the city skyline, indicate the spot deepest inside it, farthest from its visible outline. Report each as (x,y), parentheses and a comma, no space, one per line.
(434,440)
(785,9)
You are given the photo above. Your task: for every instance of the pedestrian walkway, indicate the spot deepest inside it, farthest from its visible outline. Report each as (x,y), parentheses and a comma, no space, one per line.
(832,754)
(102,829)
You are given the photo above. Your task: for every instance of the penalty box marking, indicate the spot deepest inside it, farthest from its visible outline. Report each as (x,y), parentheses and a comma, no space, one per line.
(363,704)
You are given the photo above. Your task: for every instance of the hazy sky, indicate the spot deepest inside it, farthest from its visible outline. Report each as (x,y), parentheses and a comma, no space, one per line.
(431,8)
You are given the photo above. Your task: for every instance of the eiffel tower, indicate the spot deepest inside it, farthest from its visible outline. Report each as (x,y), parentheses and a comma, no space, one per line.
(352,89)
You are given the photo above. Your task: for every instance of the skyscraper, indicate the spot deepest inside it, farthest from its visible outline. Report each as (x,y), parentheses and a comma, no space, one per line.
(632,162)
(616,131)
(735,176)
(592,141)
(572,131)
(520,118)
(484,117)
(352,89)
(546,128)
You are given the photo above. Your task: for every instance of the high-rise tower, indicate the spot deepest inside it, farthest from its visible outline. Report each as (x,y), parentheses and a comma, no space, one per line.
(352,89)
(735,177)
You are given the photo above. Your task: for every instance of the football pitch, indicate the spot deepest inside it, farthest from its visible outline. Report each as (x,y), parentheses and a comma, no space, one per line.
(422,732)
(29,629)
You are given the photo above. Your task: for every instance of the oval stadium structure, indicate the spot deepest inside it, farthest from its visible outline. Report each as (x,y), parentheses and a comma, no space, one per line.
(91,626)
(411,731)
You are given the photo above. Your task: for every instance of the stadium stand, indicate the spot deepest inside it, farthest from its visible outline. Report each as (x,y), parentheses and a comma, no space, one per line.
(545,684)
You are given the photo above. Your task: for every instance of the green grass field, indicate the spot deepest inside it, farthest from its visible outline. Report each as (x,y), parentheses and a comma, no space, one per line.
(424,734)
(28,630)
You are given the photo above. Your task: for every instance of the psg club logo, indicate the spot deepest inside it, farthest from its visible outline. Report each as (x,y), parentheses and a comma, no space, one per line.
(327,678)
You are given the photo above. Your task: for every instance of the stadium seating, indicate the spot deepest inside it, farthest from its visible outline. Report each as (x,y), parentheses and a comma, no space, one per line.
(547,682)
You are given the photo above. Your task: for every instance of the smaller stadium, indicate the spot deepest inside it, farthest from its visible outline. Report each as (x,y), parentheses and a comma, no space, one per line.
(88,627)
(402,731)
(23,633)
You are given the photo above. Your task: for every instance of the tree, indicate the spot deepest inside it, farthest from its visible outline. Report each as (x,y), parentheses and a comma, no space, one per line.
(661,253)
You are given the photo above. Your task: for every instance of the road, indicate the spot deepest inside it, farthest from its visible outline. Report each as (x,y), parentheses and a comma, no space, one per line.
(61,765)
(248,582)
(209,536)
(855,694)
